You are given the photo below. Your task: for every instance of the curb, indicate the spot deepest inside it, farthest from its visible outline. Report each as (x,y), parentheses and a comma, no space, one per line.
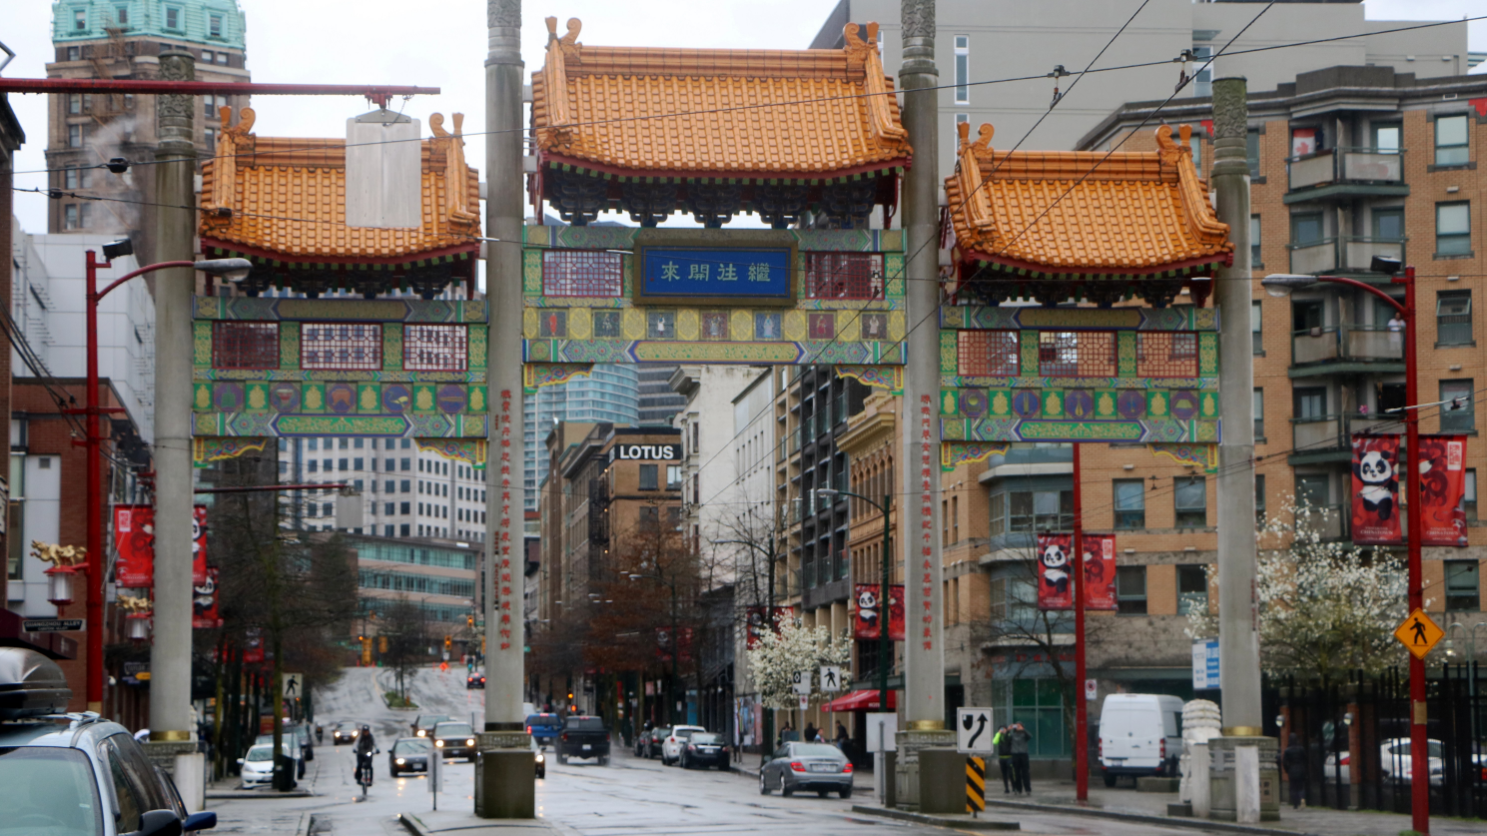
(306,823)
(240,795)
(938,821)
(414,826)
(1146,818)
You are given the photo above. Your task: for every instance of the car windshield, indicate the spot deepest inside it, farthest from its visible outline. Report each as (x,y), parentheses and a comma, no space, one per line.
(432,719)
(260,753)
(48,791)
(585,724)
(685,734)
(347,726)
(410,746)
(453,730)
(542,720)
(816,750)
(707,738)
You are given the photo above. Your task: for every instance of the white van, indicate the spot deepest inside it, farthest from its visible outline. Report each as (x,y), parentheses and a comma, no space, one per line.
(1140,734)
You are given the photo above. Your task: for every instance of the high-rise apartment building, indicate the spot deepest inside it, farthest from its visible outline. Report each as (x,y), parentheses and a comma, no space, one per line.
(124,39)
(659,403)
(609,394)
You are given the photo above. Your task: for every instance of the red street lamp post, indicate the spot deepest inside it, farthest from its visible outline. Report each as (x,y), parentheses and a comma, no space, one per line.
(233,269)
(1280,285)
(1081,700)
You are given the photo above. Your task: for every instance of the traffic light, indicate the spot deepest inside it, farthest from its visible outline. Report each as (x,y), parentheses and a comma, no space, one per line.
(470,621)
(381,644)
(448,642)
(366,651)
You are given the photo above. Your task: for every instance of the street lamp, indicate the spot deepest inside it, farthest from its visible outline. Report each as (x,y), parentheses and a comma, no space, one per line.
(885,615)
(233,270)
(1281,284)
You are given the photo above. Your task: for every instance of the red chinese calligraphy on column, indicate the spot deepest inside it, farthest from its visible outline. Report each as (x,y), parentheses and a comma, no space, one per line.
(926,517)
(501,592)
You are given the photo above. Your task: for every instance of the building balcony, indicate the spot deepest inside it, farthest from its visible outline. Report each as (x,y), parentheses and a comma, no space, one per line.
(1328,438)
(1345,174)
(1346,349)
(1342,255)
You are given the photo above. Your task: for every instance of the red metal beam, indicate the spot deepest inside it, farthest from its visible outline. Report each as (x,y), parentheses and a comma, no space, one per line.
(379,93)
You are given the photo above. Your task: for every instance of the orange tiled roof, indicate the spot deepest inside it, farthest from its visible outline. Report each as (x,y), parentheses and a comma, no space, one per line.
(288,197)
(1128,212)
(849,122)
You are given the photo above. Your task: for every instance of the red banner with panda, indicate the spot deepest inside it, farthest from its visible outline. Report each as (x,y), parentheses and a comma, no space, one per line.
(134,538)
(1375,510)
(1055,572)
(1099,571)
(1442,488)
(868,612)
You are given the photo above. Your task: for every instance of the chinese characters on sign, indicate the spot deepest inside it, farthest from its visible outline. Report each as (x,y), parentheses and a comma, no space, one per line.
(694,272)
(502,596)
(927,468)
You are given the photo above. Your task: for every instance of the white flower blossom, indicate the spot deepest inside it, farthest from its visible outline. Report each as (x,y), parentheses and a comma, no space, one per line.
(778,656)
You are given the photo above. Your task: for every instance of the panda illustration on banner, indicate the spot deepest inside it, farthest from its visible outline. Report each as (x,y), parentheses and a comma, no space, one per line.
(1375,511)
(1055,560)
(867,608)
(1380,483)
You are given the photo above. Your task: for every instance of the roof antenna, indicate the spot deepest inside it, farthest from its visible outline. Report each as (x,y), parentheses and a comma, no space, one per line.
(1058,73)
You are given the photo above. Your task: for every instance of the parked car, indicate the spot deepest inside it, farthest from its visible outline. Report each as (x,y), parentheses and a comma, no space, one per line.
(807,766)
(291,748)
(75,773)
(672,743)
(544,727)
(455,740)
(539,757)
(583,737)
(706,749)
(653,740)
(1394,756)
(344,732)
(409,754)
(1140,734)
(475,680)
(258,764)
(423,724)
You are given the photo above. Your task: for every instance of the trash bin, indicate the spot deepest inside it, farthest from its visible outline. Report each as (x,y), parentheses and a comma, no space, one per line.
(284,769)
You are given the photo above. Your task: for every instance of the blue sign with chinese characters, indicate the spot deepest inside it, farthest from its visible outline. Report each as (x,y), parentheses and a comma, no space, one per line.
(746,274)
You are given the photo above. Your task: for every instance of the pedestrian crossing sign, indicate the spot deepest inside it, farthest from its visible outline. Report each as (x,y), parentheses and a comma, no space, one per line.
(1419,634)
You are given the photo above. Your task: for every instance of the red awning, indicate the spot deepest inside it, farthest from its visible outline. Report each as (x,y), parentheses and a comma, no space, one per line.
(862,701)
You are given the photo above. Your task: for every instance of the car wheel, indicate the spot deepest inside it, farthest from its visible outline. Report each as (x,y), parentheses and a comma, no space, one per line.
(785,789)
(542,773)
(763,785)
(604,760)
(1109,780)
(562,760)
(392,771)
(845,792)
(686,764)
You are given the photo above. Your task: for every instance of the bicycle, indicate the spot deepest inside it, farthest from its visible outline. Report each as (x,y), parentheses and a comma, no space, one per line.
(364,771)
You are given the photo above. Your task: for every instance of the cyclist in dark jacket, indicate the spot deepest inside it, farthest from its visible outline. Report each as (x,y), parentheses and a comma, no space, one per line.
(365,747)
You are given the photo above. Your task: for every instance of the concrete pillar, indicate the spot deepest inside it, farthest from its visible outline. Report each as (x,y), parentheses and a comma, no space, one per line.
(1239,635)
(919,473)
(172,734)
(505,781)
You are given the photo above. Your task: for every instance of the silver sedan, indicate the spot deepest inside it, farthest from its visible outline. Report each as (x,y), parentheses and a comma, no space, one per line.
(807,766)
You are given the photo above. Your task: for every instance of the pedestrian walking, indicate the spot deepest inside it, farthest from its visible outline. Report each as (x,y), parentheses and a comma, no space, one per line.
(1022,779)
(810,733)
(1002,742)
(841,736)
(1294,762)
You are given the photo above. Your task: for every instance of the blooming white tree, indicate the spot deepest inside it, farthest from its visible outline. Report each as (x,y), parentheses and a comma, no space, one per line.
(1327,607)
(777,657)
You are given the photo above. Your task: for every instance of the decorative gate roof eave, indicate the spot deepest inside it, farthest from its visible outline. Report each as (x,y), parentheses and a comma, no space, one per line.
(457,253)
(742,176)
(1012,269)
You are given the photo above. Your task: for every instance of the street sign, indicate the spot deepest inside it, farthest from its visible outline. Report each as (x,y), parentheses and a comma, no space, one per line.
(294,685)
(805,702)
(51,625)
(973,730)
(800,682)
(882,731)
(1205,664)
(1091,689)
(1419,634)
(831,678)
(975,785)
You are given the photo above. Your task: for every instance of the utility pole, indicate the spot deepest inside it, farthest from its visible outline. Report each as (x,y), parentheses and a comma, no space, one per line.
(919,458)
(172,738)
(505,784)
(1239,632)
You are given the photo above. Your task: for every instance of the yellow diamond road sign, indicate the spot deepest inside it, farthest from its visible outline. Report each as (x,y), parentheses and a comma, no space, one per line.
(1419,634)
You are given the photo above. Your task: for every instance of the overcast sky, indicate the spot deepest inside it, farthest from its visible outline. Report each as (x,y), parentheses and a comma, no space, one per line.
(441,43)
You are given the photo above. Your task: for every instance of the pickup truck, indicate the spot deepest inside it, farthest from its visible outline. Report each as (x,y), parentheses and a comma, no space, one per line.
(583,737)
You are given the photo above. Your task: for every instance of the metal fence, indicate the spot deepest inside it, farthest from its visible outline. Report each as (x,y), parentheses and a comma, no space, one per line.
(1356,736)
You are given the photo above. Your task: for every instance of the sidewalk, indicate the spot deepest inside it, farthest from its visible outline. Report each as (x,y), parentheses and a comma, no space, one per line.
(1058,796)
(469,824)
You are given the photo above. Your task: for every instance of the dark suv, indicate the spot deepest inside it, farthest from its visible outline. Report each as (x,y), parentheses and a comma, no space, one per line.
(455,740)
(584,737)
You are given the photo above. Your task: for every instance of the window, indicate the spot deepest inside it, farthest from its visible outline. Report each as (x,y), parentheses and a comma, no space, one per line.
(70,215)
(1463,589)
(1254,241)
(74,136)
(70,179)
(435,348)
(674,480)
(85,216)
(1190,501)
(1388,224)
(1451,140)
(209,102)
(341,346)
(222,58)
(73,53)
(988,353)
(1033,511)
(1259,500)
(406,465)
(650,515)
(358,464)
(389,487)
(845,276)
(1309,402)
(1192,588)
(1076,354)
(79,20)
(1203,78)
(172,17)
(1252,151)
(246,345)
(1167,354)
(1255,327)
(403,529)
(1453,317)
(341,464)
(405,507)
(1130,590)
(649,474)
(1130,503)
(1306,229)
(581,273)
(74,103)
(962,69)
(962,118)
(1259,406)
(1453,228)
(997,514)
(214,26)
(1460,416)
(1385,137)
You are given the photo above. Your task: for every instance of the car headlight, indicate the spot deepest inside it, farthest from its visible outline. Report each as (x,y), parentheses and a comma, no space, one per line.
(422,733)
(439,744)
(400,761)
(470,742)
(541,757)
